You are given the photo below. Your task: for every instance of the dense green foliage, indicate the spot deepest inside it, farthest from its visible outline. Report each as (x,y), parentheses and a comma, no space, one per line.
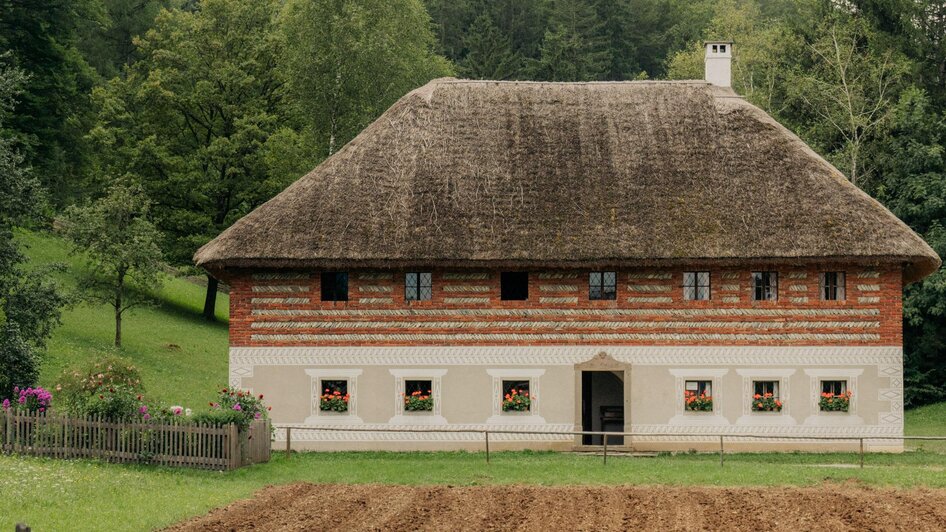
(216,105)
(30,301)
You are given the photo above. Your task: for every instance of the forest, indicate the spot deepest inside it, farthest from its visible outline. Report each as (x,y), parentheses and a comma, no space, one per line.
(140,129)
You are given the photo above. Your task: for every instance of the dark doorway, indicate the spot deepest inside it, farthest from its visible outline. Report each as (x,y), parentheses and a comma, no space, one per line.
(602,405)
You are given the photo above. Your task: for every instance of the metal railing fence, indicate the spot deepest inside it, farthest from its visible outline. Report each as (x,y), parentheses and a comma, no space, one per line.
(606,435)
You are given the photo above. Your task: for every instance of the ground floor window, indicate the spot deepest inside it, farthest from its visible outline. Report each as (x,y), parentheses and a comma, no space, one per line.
(835,396)
(334,396)
(516,396)
(698,395)
(418,395)
(766,396)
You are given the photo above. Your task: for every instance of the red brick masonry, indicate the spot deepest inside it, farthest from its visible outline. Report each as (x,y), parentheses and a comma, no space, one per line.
(284,309)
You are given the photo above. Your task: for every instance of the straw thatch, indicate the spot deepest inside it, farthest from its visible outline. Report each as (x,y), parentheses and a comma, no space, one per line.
(476,173)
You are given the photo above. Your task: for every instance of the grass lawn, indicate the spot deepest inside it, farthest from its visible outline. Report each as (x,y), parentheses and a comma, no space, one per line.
(83,495)
(182,358)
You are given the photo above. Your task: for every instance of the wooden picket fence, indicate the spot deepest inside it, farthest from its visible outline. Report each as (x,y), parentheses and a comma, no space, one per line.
(176,444)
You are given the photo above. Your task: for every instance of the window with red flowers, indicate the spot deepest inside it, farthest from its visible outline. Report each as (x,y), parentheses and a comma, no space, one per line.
(516,396)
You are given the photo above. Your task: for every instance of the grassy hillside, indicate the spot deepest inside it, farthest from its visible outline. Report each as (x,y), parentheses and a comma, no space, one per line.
(183,358)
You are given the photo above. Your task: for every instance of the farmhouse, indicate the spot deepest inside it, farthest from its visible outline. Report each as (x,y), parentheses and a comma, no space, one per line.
(661,258)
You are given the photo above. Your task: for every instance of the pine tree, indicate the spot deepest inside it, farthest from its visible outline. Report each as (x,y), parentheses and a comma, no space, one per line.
(575,47)
(488,52)
(51,115)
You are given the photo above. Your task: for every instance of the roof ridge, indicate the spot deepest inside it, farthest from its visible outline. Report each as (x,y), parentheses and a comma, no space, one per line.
(533,82)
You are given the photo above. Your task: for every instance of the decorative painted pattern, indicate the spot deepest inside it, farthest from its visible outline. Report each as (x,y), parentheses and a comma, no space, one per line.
(280,288)
(563,355)
(552,337)
(465,288)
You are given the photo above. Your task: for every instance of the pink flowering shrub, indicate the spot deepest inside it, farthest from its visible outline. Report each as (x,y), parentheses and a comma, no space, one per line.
(110,387)
(234,406)
(28,400)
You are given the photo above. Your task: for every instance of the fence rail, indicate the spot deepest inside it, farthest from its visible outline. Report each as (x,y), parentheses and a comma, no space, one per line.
(606,435)
(176,444)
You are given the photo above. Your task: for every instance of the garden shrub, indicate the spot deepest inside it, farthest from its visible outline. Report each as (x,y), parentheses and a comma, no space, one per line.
(28,400)
(247,406)
(110,387)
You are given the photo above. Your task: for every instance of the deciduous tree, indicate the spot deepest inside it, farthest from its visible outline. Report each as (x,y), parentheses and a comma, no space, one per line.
(197,121)
(347,61)
(120,246)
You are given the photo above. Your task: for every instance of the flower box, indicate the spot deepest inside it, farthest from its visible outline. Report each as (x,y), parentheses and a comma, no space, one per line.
(697,403)
(765,403)
(334,401)
(517,401)
(418,402)
(830,402)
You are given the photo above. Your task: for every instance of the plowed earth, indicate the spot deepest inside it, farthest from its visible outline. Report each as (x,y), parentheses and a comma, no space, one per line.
(382,507)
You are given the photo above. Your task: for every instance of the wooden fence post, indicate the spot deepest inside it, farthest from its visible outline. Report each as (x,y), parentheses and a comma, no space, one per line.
(234,445)
(862,453)
(720,450)
(288,442)
(604,439)
(486,433)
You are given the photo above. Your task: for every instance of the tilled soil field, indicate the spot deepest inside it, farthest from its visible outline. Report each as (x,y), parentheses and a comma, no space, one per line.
(375,507)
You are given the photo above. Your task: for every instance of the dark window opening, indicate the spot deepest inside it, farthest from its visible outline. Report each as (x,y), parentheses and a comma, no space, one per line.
(514,286)
(832,286)
(834,387)
(602,285)
(424,387)
(330,387)
(766,387)
(418,286)
(764,286)
(696,286)
(334,286)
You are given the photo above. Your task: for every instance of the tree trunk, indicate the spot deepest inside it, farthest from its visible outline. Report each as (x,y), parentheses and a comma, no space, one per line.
(210,301)
(119,289)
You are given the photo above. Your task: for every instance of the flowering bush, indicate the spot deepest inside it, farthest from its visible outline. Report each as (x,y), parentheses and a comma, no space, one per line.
(110,387)
(766,403)
(334,401)
(28,400)
(830,402)
(697,402)
(417,402)
(517,401)
(242,406)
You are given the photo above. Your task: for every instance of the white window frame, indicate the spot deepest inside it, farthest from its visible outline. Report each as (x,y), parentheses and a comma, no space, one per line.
(434,417)
(818,417)
(499,417)
(688,417)
(751,417)
(319,417)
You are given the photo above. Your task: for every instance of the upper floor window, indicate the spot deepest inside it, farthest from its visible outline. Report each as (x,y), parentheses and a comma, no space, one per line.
(832,286)
(696,286)
(514,286)
(334,286)
(764,286)
(602,285)
(418,286)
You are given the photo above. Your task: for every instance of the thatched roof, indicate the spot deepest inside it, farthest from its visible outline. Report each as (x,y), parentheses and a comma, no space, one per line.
(477,173)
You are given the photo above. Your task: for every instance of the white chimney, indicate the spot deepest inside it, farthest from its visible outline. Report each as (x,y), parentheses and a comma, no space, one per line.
(719,63)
